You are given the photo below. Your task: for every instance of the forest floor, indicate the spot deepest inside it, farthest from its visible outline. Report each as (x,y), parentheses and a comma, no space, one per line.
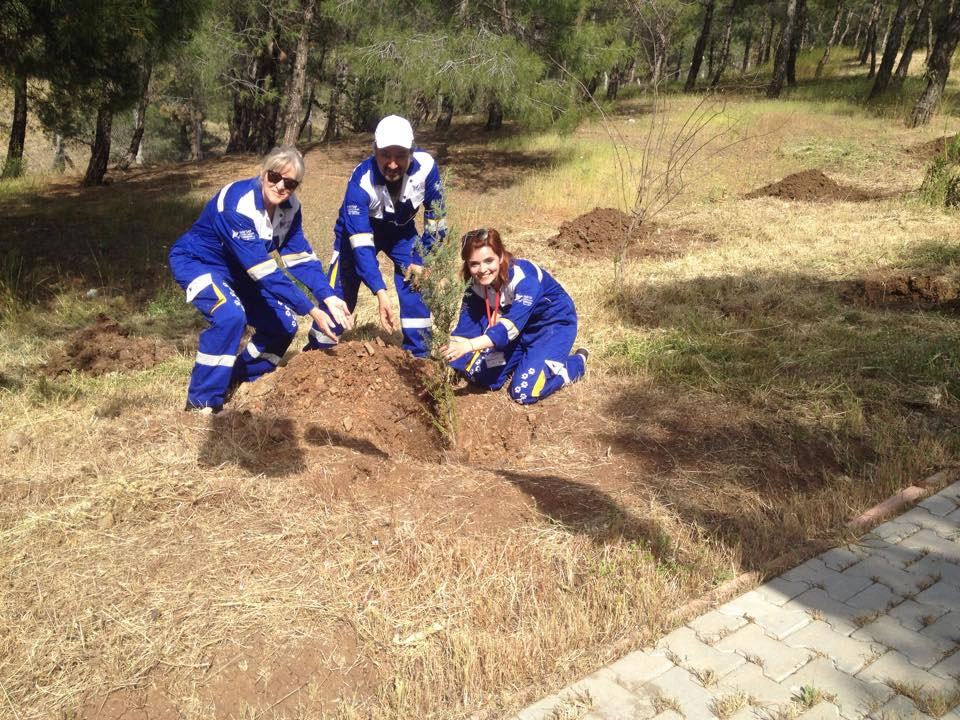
(776,352)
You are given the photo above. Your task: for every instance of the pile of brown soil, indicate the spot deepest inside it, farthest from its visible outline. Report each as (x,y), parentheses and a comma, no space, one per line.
(811,186)
(905,290)
(602,231)
(106,347)
(930,149)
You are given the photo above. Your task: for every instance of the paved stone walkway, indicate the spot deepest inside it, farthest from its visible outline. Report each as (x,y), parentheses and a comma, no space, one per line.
(870,630)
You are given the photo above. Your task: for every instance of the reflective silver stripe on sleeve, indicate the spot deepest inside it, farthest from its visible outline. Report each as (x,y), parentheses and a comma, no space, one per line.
(416,322)
(297,258)
(435,225)
(197,285)
(512,331)
(361,240)
(216,360)
(258,272)
(255,353)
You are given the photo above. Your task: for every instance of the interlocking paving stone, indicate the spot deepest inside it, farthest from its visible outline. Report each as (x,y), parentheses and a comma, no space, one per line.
(780,624)
(902,582)
(848,654)
(951,491)
(693,654)
(942,526)
(933,566)
(941,593)
(715,625)
(680,685)
(839,586)
(821,606)
(750,679)
(894,530)
(853,696)
(894,667)
(929,541)
(946,629)
(821,711)
(897,554)
(633,671)
(748,605)
(841,558)
(610,700)
(938,505)
(878,597)
(776,658)
(541,710)
(916,615)
(949,667)
(922,651)
(779,591)
(899,708)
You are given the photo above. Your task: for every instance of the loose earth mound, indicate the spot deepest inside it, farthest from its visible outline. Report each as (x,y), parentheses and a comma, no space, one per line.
(603,231)
(106,347)
(811,186)
(930,149)
(925,291)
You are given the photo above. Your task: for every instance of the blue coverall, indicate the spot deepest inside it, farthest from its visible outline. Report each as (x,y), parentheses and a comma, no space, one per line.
(371,221)
(532,337)
(223,264)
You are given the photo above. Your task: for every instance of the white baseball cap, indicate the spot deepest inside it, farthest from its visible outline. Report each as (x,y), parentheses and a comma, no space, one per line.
(393,130)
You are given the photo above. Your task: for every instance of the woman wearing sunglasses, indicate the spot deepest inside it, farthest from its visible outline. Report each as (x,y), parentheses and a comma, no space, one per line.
(223,263)
(515,320)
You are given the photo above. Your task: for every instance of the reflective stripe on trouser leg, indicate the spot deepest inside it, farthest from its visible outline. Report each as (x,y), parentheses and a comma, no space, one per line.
(415,318)
(546,365)
(217,345)
(275,326)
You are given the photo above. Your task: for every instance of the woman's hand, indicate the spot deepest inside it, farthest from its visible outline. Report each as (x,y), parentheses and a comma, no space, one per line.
(387,319)
(339,312)
(456,349)
(324,322)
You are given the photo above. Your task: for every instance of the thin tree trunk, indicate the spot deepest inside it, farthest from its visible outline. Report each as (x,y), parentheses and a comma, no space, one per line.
(733,11)
(795,42)
(700,46)
(196,133)
(833,36)
(871,39)
(768,43)
(856,36)
(710,56)
(298,79)
(334,124)
(13,167)
(100,153)
(846,28)
(747,42)
(445,116)
(913,41)
(938,68)
(783,52)
(133,154)
(494,115)
(891,49)
(311,99)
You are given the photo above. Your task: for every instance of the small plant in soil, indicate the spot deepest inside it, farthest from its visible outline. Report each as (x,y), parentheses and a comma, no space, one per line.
(441,287)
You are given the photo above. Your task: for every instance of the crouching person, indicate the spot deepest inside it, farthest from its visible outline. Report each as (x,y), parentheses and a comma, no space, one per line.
(515,320)
(223,264)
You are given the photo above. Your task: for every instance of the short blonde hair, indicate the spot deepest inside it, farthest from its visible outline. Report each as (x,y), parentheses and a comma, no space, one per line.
(281,157)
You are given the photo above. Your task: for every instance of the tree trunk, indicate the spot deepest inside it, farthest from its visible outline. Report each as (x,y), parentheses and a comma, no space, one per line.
(846,28)
(747,42)
(856,36)
(833,36)
(298,78)
(613,85)
(938,68)
(913,41)
(732,13)
(783,52)
(334,123)
(494,115)
(445,116)
(891,49)
(305,123)
(133,154)
(700,46)
(801,19)
(768,42)
(13,167)
(871,39)
(196,133)
(100,153)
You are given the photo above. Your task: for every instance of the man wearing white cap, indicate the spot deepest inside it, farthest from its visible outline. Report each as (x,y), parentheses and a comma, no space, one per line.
(383,197)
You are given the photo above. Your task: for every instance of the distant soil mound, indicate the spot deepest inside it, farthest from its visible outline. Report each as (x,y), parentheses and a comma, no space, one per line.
(372,398)
(105,346)
(601,232)
(930,149)
(926,291)
(812,186)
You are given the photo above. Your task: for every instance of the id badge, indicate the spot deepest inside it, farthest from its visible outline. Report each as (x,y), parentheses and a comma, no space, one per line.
(495,359)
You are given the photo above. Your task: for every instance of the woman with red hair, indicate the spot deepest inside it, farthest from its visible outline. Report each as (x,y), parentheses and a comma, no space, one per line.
(515,320)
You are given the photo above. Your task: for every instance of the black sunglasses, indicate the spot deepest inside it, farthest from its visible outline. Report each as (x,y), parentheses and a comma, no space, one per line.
(289,183)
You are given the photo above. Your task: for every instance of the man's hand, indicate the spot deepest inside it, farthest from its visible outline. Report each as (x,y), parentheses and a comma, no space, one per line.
(415,274)
(388,320)
(324,323)
(339,312)
(456,349)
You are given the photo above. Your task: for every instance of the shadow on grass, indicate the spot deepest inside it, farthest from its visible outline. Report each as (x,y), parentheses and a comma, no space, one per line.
(262,444)
(324,436)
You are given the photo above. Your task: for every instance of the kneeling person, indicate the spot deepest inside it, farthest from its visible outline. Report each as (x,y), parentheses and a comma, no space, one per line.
(223,264)
(515,320)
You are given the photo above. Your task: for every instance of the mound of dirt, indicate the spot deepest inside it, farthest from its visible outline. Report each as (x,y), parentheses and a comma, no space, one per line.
(811,186)
(105,346)
(930,149)
(925,291)
(602,231)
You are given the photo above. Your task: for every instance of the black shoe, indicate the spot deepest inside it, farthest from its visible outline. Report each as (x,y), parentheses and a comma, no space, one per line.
(584,353)
(204,409)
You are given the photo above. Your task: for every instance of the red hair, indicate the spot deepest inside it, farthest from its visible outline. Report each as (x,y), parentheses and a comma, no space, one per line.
(485,237)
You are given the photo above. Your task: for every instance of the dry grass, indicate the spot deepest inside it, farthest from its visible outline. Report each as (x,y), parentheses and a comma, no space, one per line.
(134,572)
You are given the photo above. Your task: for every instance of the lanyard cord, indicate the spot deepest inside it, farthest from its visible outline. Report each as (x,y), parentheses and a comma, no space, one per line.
(491,317)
